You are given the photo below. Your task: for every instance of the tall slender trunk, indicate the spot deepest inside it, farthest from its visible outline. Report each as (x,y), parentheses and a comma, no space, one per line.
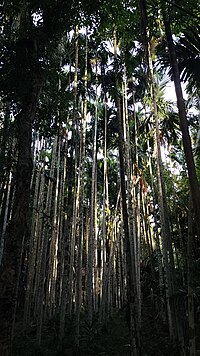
(76,193)
(10,268)
(191,321)
(52,266)
(137,194)
(194,185)
(158,249)
(173,317)
(80,223)
(130,265)
(5,216)
(66,293)
(92,231)
(3,144)
(35,229)
(44,234)
(35,242)
(105,207)
(61,200)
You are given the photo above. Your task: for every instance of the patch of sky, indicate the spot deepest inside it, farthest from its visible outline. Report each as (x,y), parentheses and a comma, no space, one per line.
(37,18)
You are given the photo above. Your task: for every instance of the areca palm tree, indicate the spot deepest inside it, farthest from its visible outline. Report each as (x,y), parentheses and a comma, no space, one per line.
(188,55)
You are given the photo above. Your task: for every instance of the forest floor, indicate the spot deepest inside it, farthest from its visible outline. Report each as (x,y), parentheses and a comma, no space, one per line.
(111,339)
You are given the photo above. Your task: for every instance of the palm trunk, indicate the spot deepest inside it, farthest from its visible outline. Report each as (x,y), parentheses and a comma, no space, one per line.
(191,321)
(3,144)
(61,200)
(173,318)
(157,240)
(137,194)
(77,182)
(52,269)
(44,236)
(130,264)
(80,226)
(35,228)
(5,216)
(92,231)
(105,207)
(194,185)
(10,268)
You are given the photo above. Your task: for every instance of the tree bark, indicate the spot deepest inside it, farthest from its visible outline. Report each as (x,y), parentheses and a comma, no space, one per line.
(11,262)
(190,289)
(194,185)
(130,264)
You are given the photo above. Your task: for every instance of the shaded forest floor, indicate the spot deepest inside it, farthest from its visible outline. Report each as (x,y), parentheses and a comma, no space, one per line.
(110,339)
